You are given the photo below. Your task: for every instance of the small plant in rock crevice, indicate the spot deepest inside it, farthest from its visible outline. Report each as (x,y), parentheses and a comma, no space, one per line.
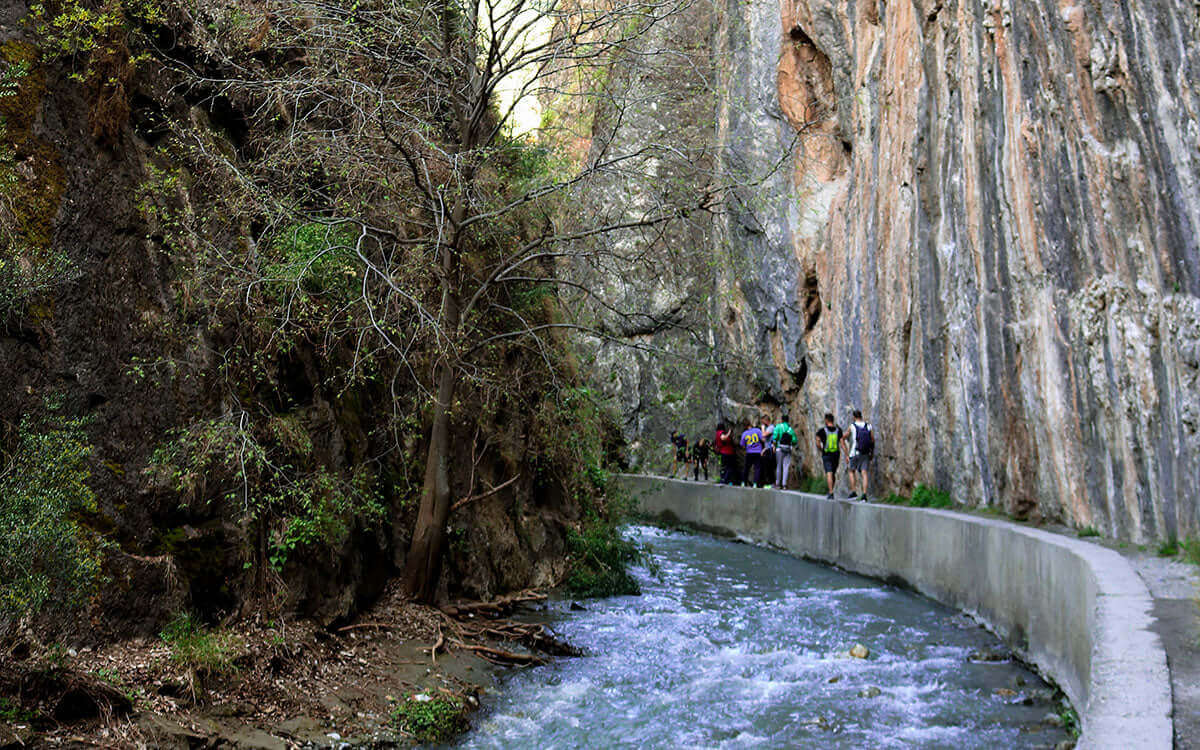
(1068,716)
(924,496)
(1169,548)
(813,485)
(1088,531)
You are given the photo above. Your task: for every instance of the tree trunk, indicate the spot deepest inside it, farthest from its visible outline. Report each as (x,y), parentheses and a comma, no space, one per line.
(425,553)
(424,564)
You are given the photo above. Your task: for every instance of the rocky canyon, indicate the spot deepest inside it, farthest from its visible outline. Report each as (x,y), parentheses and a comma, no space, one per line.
(977,222)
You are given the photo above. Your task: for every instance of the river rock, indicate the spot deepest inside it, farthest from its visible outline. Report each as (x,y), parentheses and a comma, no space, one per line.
(859,651)
(869,692)
(1053,720)
(988,656)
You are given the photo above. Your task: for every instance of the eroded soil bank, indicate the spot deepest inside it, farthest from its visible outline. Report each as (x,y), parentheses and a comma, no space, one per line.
(287,685)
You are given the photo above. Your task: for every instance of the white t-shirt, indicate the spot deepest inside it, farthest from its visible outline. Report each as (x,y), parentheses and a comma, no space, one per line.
(854,436)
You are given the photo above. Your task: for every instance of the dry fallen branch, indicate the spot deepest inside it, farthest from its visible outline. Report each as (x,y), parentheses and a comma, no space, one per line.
(501,656)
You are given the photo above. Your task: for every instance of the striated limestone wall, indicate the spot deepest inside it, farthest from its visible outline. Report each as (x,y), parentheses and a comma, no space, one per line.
(986,236)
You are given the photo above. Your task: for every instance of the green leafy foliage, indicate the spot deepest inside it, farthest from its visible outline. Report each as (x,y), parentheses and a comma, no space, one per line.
(569,435)
(197,648)
(314,261)
(1088,531)
(263,469)
(48,561)
(1191,550)
(813,485)
(434,721)
(924,496)
(601,558)
(1069,717)
(79,30)
(12,712)
(571,432)
(1188,549)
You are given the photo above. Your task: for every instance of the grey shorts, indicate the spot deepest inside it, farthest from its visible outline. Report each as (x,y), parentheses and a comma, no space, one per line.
(859,463)
(831,462)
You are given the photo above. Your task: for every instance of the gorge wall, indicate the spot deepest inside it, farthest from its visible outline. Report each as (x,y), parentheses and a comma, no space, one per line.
(983,234)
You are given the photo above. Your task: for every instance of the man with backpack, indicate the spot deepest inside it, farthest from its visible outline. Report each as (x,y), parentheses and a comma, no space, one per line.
(784,438)
(862,448)
(829,443)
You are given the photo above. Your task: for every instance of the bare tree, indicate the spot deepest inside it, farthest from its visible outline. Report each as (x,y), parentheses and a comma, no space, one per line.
(398,127)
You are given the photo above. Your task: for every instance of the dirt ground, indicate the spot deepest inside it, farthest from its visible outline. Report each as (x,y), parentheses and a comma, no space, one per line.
(295,686)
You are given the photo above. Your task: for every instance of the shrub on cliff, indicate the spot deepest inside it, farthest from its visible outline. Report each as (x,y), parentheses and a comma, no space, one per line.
(601,559)
(48,561)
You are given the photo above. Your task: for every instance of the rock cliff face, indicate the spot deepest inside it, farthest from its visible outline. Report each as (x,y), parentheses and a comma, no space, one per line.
(986,237)
(982,231)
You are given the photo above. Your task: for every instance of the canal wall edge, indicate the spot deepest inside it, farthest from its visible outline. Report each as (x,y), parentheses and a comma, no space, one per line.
(1076,610)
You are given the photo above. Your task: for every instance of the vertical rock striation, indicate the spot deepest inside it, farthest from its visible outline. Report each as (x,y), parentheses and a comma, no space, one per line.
(986,237)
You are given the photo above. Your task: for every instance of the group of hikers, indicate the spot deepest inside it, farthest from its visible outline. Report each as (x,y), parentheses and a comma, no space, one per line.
(766,451)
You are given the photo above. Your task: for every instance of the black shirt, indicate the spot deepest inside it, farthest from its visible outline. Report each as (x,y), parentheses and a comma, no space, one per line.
(823,436)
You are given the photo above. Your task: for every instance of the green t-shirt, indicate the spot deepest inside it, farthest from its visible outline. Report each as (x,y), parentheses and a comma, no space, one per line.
(781,429)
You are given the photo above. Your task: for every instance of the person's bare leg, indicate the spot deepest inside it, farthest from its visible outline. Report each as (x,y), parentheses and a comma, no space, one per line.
(864,483)
(850,480)
(830,480)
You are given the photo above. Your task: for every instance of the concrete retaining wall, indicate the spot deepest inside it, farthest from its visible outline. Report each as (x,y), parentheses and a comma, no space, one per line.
(1075,609)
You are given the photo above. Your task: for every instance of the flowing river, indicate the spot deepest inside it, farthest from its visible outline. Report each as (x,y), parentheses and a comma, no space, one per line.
(733,646)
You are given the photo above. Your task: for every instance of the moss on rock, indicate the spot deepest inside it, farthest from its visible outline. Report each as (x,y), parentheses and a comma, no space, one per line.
(32,179)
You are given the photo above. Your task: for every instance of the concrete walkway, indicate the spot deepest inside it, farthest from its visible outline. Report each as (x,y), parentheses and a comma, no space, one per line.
(1077,610)
(1175,586)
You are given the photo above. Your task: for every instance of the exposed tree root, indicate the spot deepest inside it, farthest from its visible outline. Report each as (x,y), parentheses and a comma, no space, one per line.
(495,608)
(476,624)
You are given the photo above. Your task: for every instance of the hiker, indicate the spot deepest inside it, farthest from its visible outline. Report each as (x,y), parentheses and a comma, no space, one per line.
(752,443)
(700,458)
(767,430)
(861,437)
(784,437)
(829,443)
(726,450)
(681,453)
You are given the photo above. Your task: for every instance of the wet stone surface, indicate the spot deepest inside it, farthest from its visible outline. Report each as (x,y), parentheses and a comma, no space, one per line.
(735,646)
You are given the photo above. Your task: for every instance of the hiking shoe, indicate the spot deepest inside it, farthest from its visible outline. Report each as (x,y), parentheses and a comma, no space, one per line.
(829,496)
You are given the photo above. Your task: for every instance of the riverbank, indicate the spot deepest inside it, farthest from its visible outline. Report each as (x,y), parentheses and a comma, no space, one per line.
(1076,610)
(285,685)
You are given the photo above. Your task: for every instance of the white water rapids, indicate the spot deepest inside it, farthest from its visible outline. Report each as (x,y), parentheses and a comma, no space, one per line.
(731,646)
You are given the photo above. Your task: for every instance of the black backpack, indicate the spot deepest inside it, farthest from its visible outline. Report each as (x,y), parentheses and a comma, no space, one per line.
(864,440)
(787,438)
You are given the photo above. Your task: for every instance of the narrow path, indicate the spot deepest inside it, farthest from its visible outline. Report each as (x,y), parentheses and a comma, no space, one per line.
(1175,587)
